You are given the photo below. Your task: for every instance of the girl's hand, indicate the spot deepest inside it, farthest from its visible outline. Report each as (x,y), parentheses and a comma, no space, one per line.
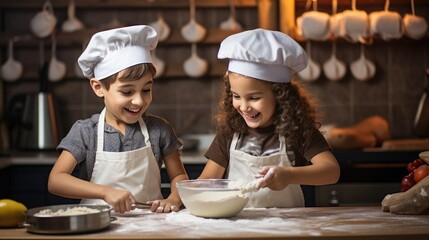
(120,200)
(164,206)
(273,177)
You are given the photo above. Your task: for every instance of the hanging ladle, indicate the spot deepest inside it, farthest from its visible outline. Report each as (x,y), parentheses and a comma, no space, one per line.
(159,64)
(362,69)
(334,69)
(312,71)
(72,23)
(193,31)
(161,27)
(195,66)
(57,69)
(11,70)
(231,23)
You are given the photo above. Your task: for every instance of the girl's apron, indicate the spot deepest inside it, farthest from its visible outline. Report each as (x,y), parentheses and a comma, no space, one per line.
(136,171)
(243,166)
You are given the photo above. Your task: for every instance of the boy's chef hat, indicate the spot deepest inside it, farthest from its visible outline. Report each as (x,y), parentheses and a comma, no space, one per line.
(263,54)
(111,51)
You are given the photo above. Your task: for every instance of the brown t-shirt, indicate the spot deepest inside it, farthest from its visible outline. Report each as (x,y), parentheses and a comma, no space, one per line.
(264,142)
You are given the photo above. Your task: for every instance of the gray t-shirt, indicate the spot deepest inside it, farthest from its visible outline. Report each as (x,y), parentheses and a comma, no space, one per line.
(81,141)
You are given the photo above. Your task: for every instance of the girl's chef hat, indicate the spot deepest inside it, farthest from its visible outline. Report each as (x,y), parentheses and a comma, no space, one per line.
(111,51)
(263,54)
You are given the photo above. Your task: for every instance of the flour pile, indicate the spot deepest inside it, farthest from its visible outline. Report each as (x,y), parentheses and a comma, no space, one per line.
(68,212)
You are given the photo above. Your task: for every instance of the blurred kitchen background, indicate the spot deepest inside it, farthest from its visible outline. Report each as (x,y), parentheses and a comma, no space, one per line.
(187,96)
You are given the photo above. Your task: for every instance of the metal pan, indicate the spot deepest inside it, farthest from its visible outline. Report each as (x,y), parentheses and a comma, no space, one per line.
(90,222)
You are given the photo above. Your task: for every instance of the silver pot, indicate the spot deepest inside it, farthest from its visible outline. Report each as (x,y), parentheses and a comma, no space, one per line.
(90,222)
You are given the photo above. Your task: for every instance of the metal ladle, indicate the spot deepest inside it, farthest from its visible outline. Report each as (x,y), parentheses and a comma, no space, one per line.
(11,70)
(72,23)
(195,66)
(57,68)
(193,31)
(161,27)
(231,23)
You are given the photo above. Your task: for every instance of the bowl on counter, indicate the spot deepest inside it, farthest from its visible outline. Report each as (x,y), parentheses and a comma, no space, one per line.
(65,219)
(213,198)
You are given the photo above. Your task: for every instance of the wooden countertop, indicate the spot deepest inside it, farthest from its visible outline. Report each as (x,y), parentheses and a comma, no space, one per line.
(294,223)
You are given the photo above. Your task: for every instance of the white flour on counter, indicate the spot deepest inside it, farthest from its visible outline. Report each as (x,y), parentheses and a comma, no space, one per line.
(260,222)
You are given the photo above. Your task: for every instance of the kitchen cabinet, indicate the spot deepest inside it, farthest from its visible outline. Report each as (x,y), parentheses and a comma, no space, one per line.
(366,177)
(28,184)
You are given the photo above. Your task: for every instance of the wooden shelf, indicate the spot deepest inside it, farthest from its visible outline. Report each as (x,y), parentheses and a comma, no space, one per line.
(301,3)
(214,36)
(173,70)
(96,4)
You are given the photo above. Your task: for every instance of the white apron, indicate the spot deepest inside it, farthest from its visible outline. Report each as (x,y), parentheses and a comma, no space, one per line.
(136,171)
(243,166)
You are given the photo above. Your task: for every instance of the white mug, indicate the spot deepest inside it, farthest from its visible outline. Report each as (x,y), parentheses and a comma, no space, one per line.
(415,27)
(314,25)
(354,26)
(44,22)
(386,24)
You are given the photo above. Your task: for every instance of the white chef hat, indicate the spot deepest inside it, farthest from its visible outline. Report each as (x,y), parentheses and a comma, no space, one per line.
(263,54)
(111,51)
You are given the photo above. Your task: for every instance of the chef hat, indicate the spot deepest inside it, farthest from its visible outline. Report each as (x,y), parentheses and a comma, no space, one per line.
(263,54)
(111,51)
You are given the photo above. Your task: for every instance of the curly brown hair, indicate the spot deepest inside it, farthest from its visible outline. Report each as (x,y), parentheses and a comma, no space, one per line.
(295,114)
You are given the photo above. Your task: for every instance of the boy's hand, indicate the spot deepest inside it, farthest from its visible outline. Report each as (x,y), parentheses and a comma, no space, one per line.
(164,206)
(120,200)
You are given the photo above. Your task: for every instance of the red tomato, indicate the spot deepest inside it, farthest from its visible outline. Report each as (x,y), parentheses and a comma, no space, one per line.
(421,172)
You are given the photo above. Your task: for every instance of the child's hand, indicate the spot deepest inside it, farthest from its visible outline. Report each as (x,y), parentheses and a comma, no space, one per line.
(164,206)
(120,200)
(272,177)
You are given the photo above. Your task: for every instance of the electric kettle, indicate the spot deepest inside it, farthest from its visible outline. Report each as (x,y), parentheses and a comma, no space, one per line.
(34,119)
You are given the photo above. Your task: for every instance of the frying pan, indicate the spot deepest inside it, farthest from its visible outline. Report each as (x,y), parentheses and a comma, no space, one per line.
(90,222)
(421,121)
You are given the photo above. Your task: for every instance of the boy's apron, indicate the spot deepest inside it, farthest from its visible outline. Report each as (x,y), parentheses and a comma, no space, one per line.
(243,166)
(136,171)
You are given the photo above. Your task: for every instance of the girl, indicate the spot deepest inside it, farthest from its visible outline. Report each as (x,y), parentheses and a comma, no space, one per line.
(121,150)
(266,126)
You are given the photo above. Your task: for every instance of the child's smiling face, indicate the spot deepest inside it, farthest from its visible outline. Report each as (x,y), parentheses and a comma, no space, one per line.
(253,99)
(126,101)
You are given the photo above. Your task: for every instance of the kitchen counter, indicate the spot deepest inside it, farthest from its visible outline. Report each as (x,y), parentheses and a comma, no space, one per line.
(303,223)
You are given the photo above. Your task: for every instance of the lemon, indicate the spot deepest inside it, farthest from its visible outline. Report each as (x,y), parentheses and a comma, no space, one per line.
(11,213)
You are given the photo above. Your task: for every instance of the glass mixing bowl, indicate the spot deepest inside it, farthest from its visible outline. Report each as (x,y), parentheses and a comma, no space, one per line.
(213,198)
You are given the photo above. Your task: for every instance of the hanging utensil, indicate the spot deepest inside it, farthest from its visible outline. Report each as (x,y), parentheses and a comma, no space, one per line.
(11,70)
(195,66)
(231,23)
(415,27)
(57,68)
(161,27)
(386,24)
(354,25)
(72,23)
(193,31)
(334,69)
(362,69)
(159,64)
(314,25)
(44,22)
(312,71)
(77,69)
